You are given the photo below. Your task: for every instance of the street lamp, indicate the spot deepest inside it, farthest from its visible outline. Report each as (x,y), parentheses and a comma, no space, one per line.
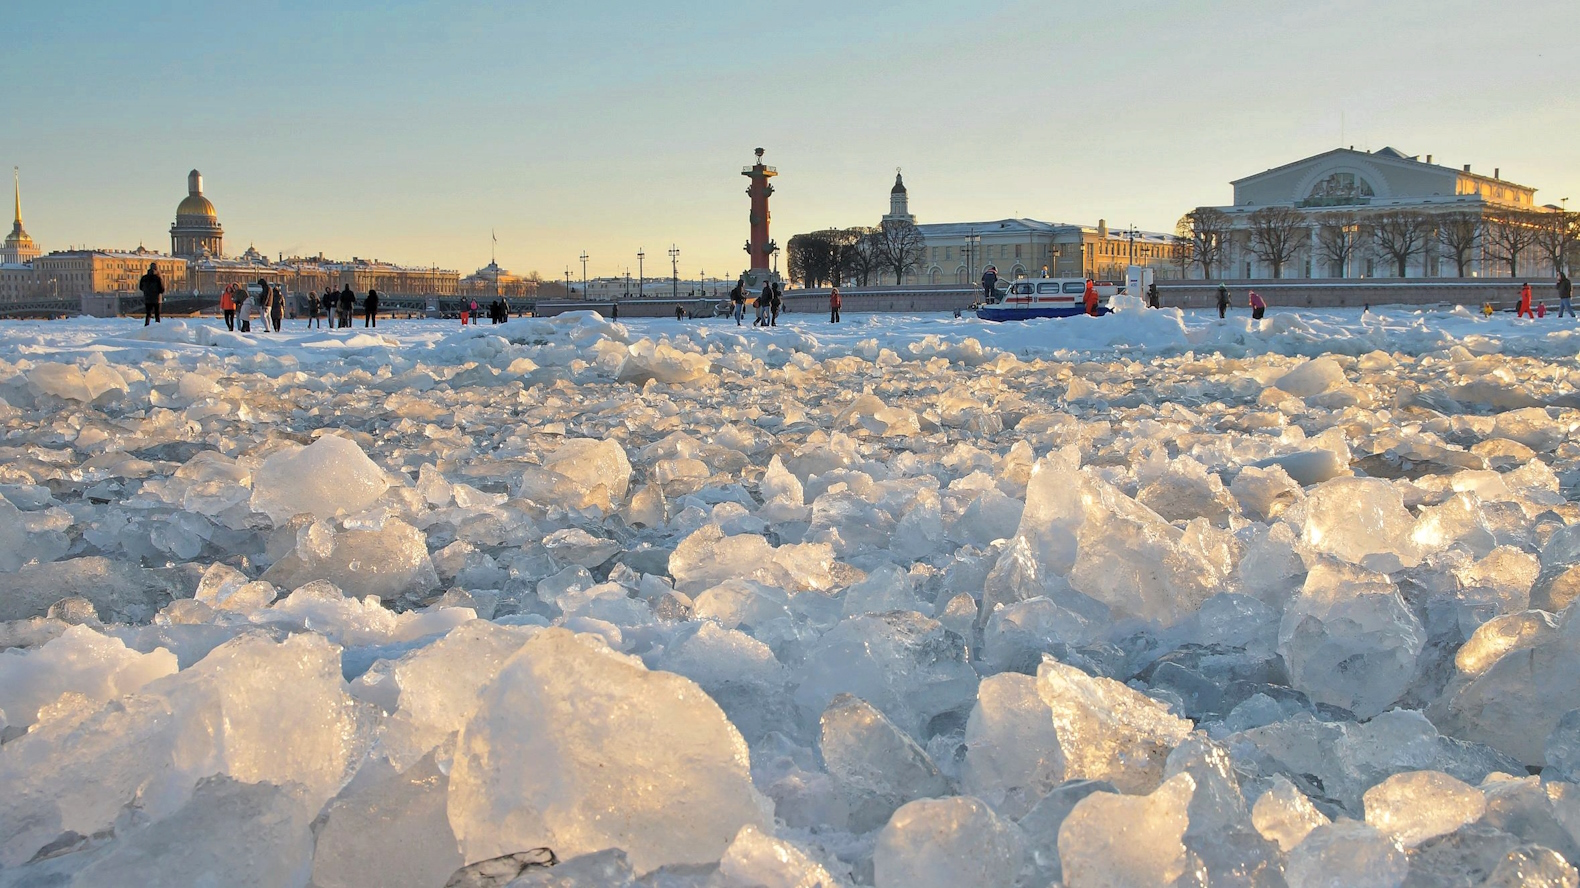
(674,270)
(1131,232)
(972,240)
(628,281)
(584,274)
(568,291)
(640,255)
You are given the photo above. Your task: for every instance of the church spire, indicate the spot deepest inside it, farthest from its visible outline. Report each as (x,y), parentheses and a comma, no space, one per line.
(16,175)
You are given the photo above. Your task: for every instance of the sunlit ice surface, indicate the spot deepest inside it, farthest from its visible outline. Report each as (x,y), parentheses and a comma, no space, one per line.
(898,601)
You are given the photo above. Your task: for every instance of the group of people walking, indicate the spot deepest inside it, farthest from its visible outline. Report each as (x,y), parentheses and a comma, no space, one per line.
(269,305)
(768,304)
(1253,298)
(1525,310)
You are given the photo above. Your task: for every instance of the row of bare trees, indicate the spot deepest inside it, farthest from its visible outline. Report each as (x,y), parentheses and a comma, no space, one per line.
(863,255)
(1278,236)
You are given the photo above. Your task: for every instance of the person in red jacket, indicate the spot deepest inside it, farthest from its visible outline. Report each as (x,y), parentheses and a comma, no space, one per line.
(227,304)
(1525,302)
(1091,298)
(834,302)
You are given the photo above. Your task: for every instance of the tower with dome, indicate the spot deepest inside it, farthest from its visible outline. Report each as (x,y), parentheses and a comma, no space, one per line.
(196,232)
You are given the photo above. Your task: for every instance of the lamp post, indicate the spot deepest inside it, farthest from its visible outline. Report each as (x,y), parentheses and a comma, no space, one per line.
(972,240)
(584,274)
(674,270)
(568,291)
(1131,233)
(628,281)
(640,255)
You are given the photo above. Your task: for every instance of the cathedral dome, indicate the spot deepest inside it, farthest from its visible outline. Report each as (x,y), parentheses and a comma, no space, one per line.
(195,205)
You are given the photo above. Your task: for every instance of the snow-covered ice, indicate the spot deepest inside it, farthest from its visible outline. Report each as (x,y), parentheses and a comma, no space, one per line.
(1141,600)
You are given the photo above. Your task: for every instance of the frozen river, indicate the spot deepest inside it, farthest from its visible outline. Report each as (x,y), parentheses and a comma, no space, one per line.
(1151,599)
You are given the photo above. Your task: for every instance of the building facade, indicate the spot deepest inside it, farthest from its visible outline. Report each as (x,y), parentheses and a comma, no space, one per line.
(493,282)
(196,232)
(18,247)
(1344,188)
(72,274)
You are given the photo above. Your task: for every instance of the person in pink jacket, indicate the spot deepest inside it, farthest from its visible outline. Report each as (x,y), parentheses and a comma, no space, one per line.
(1258,306)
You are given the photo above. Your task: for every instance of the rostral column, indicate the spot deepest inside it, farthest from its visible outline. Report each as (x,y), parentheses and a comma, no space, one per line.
(760,249)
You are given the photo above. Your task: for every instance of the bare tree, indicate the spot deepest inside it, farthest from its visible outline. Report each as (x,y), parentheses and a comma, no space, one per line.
(1207,230)
(1277,235)
(1510,234)
(1401,235)
(1460,234)
(865,255)
(1340,237)
(1556,235)
(901,245)
(1184,253)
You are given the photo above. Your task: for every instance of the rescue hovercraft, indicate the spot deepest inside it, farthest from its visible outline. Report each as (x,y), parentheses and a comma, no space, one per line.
(1044,298)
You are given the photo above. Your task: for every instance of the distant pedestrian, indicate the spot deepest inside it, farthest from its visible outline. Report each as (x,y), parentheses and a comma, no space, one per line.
(1090,298)
(1487,310)
(1565,291)
(1152,296)
(245,311)
(504,310)
(1258,307)
(775,304)
(1223,301)
(474,312)
(347,304)
(834,302)
(277,308)
(153,287)
(1541,309)
(738,299)
(227,305)
(312,311)
(989,284)
(680,313)
(1525,302)
(370,309)
(614,312)
(328,300)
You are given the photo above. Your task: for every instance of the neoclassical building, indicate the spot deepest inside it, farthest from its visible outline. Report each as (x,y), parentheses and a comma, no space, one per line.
(18,247)
(959,252)
(1365,185)
(196,232)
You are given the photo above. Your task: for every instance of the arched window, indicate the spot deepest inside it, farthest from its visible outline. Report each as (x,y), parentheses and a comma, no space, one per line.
(962,275)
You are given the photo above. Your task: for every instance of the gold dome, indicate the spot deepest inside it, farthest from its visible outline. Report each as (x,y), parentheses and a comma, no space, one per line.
(196,205)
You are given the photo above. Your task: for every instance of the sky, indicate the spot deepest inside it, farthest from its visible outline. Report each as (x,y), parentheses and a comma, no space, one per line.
(413,131)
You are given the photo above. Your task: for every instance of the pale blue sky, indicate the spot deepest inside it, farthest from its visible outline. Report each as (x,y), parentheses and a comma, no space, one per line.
(406,130)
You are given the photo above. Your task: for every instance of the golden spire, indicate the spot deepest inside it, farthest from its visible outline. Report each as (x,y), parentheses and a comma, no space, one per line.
(16,175)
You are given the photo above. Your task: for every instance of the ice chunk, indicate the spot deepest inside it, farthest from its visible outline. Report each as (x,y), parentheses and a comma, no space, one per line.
(1013,757)
(1562,749)
(1532,866)
(225,588)
(591,463)
(1185,490)
(948,843)
(247,835)
(906,665)
(1516,702)
(1362,521)
(876,768)
(1531,426)
(577,748)
(1264,493)
(739,672)
(388,829)
(1350,640)
(1041,825)
(1501,635)
(707,557)
(1503,578)
(576,546)
(389,563)
(438,687)
(759,860)
(1284,815)
(328,478)
(69,382)
(1106,730)
(886,588)
(1221,837)
(1115,841)
(80,661)
(497,872)
(1308,467)
(1312,378)
(1420,805)
(1347,854)
(647,360)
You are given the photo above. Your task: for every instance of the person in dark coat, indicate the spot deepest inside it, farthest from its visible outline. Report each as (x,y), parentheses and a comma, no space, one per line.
(312,310)
(277,309)
(680,313)
(153,287)
(370,309)
(1152,296)
(1223,300)
(329,299)
(738,298)
(989,284)
(348,304)
(775,304)
(1566,289)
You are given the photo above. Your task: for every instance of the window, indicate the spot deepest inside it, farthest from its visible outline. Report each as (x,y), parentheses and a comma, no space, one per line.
(1023,289)
(1076,287)
(1017,251)
(1047,288)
